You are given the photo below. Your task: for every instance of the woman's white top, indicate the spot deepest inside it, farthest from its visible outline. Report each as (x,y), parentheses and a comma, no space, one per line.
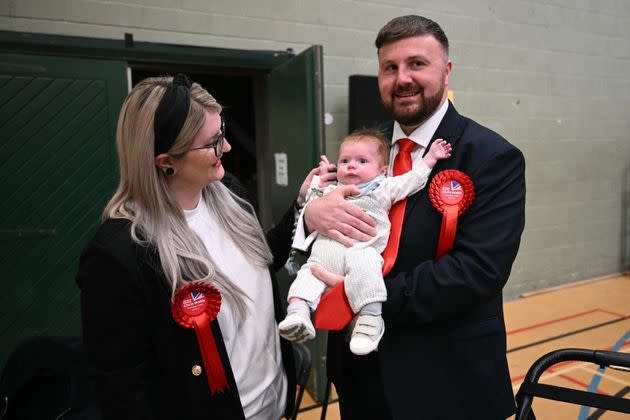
(253,346)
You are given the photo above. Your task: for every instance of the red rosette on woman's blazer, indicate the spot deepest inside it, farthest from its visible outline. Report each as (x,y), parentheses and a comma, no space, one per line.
(196,305)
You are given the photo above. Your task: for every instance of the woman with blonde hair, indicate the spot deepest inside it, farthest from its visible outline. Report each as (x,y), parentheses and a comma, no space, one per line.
(173,223)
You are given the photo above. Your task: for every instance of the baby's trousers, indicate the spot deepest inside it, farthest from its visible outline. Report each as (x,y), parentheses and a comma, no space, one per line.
(361,265)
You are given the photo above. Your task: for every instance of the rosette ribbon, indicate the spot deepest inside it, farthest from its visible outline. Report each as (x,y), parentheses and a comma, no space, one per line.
(196,305)
(451,192)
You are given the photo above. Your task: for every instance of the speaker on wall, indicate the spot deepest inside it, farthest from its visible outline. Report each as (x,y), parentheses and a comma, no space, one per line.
(365,109)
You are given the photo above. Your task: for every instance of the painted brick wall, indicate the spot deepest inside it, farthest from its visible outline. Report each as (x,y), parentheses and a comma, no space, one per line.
(552,76)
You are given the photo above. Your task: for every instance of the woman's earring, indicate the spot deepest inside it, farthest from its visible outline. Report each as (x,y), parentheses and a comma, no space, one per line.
(170,171)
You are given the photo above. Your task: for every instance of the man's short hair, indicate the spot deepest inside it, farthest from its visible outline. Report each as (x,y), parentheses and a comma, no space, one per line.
(408,26)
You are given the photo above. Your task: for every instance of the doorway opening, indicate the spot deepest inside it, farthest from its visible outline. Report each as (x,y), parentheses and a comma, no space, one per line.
(235,91)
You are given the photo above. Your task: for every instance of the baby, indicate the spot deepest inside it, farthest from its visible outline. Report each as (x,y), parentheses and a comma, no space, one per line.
(363,157)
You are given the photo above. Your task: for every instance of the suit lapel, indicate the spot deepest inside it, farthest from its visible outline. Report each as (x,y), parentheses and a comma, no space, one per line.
(450,129)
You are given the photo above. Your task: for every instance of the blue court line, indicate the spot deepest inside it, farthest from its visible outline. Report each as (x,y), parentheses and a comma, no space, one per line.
(597,378)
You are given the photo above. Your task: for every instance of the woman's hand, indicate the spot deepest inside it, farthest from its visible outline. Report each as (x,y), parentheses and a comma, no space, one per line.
(304,188)
(327,174)
(331,279)
(332,216)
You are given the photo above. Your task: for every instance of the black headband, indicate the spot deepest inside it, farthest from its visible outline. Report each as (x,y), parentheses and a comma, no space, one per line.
(171,113)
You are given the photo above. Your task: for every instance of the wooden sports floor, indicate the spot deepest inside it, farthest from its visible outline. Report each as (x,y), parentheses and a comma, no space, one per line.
(593,314)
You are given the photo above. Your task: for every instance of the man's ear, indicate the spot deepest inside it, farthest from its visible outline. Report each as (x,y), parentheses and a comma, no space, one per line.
(447,72)
(163,161)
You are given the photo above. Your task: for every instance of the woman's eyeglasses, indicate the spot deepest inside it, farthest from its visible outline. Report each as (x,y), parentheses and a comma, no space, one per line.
(217,144)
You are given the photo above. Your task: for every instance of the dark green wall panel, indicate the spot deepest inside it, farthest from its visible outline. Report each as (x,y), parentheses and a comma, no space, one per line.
(58,166)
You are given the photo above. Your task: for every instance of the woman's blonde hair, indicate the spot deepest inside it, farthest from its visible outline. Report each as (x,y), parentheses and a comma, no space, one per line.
(156,219)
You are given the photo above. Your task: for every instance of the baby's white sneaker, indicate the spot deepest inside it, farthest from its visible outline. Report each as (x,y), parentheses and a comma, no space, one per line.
(366,334)
(297,326)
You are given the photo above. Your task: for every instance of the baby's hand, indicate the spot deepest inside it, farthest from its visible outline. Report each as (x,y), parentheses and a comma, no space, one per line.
(327,172)
(440,149)
(323,165)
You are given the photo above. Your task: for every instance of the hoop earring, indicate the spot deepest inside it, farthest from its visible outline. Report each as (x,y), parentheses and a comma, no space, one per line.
(169,171)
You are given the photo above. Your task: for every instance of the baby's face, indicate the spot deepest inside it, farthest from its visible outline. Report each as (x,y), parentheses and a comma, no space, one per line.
(359,162)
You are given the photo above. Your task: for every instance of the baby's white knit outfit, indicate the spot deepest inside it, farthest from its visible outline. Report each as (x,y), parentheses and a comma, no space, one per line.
(362,263)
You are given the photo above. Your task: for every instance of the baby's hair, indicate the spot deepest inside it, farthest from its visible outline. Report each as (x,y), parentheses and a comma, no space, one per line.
(373,135)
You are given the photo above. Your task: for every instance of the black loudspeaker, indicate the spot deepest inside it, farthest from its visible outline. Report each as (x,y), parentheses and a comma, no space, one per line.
(365,109)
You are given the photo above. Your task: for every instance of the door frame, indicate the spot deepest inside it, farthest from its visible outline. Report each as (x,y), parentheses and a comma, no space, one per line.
(255,63)
(140,52)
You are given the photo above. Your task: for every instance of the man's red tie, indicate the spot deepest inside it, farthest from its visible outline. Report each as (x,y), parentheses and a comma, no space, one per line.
(334,311)
(402,165)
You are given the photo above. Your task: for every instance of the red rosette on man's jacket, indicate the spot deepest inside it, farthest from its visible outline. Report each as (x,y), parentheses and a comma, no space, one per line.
(196,305)
(451,193)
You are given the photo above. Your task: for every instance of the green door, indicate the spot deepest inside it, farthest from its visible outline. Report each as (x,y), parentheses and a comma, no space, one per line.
(58,166)
(296,140)
(295,125)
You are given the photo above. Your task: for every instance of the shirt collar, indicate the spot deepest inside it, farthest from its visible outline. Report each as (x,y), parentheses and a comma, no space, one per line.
(423,134)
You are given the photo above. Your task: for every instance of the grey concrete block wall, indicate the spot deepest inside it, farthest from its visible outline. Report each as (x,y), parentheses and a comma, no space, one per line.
(552,76)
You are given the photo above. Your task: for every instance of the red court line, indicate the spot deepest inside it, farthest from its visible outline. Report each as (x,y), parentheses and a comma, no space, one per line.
(551,321)
(567,362)
(565,318)
(564,376)
(518,378)
(573,380)
(613,313)
(580,383)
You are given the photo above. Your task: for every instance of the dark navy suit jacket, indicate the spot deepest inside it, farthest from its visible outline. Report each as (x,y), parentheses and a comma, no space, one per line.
(443,355)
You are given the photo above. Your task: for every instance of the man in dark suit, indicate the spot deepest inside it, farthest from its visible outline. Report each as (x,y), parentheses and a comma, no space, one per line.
(443,355)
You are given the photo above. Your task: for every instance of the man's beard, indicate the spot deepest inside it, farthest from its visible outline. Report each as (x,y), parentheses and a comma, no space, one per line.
(405,116)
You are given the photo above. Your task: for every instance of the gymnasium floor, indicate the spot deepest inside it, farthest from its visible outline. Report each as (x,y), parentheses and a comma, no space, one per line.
(593,314)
